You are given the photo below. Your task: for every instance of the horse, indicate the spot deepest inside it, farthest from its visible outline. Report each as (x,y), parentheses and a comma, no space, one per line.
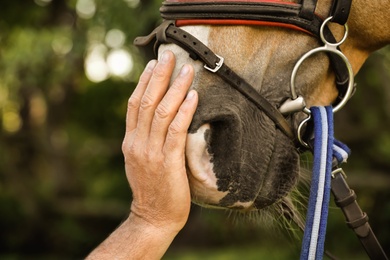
(237,156)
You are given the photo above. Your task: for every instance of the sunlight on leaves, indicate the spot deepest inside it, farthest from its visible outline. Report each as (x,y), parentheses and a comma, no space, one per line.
(42,2)
(62,45)
(115,38)
(10,117)
(132,3)
(95,64)
(120,62)
(86,8)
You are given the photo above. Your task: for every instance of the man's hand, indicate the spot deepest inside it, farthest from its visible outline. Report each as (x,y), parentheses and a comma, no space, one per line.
(157,121)
(158,117)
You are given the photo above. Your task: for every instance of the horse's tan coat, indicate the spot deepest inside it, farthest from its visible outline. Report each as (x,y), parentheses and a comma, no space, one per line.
(264,160)
(369,30)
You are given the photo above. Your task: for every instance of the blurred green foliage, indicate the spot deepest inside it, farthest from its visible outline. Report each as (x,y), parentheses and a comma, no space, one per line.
(62,182)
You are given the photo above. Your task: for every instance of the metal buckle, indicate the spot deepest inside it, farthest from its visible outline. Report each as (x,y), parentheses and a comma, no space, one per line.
(338,170)
(218,65)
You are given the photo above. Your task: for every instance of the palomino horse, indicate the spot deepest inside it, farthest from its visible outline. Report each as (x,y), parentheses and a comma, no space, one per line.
(237,157)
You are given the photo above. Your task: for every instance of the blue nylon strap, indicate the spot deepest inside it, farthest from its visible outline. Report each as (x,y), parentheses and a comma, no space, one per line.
(317,213)
(340,152)
(325,148)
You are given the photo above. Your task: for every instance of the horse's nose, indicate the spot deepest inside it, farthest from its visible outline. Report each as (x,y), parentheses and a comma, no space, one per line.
(221,128)
(213,151)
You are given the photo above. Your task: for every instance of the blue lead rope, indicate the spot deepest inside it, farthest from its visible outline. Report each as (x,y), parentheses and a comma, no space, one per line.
(325,148)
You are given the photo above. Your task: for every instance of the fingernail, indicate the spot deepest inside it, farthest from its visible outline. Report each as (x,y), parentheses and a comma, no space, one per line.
(165,57)
(184,70)
(190,95)
(151,65)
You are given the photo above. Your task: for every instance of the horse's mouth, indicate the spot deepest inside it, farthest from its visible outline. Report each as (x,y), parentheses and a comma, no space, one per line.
(210,182)
(236,157)
(229,168)
(203,180)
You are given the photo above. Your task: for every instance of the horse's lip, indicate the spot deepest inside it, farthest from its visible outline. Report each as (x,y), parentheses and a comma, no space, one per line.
(202,179)
(196,148)
(243,206)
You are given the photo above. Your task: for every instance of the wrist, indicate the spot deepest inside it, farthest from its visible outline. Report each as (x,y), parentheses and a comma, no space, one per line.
(163,229)
(135,238)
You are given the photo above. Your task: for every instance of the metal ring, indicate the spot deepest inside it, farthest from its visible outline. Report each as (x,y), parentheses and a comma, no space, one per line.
(346,29)
(328,47)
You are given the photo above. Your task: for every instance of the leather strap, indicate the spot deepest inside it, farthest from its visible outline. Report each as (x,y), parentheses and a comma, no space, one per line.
(340,11)
(308,9)
(235,22)
(167,32)
(282,12)
(356,219)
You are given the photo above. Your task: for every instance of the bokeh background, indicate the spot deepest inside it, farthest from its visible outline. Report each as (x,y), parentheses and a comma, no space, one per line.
(67,69)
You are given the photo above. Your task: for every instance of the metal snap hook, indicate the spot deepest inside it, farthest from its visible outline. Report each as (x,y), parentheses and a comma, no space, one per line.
(300,127)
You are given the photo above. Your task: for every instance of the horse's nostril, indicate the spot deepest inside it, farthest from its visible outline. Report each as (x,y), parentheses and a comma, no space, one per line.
(222,135)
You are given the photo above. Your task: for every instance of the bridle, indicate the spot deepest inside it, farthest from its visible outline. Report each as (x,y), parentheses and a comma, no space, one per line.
(298,16)
(272,13)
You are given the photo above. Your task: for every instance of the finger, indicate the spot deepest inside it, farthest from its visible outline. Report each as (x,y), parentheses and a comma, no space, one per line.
(177,131)
(135,98)
(156,89)
(169,105)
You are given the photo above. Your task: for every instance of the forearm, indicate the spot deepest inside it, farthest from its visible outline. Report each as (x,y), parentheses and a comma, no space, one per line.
(135,239)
